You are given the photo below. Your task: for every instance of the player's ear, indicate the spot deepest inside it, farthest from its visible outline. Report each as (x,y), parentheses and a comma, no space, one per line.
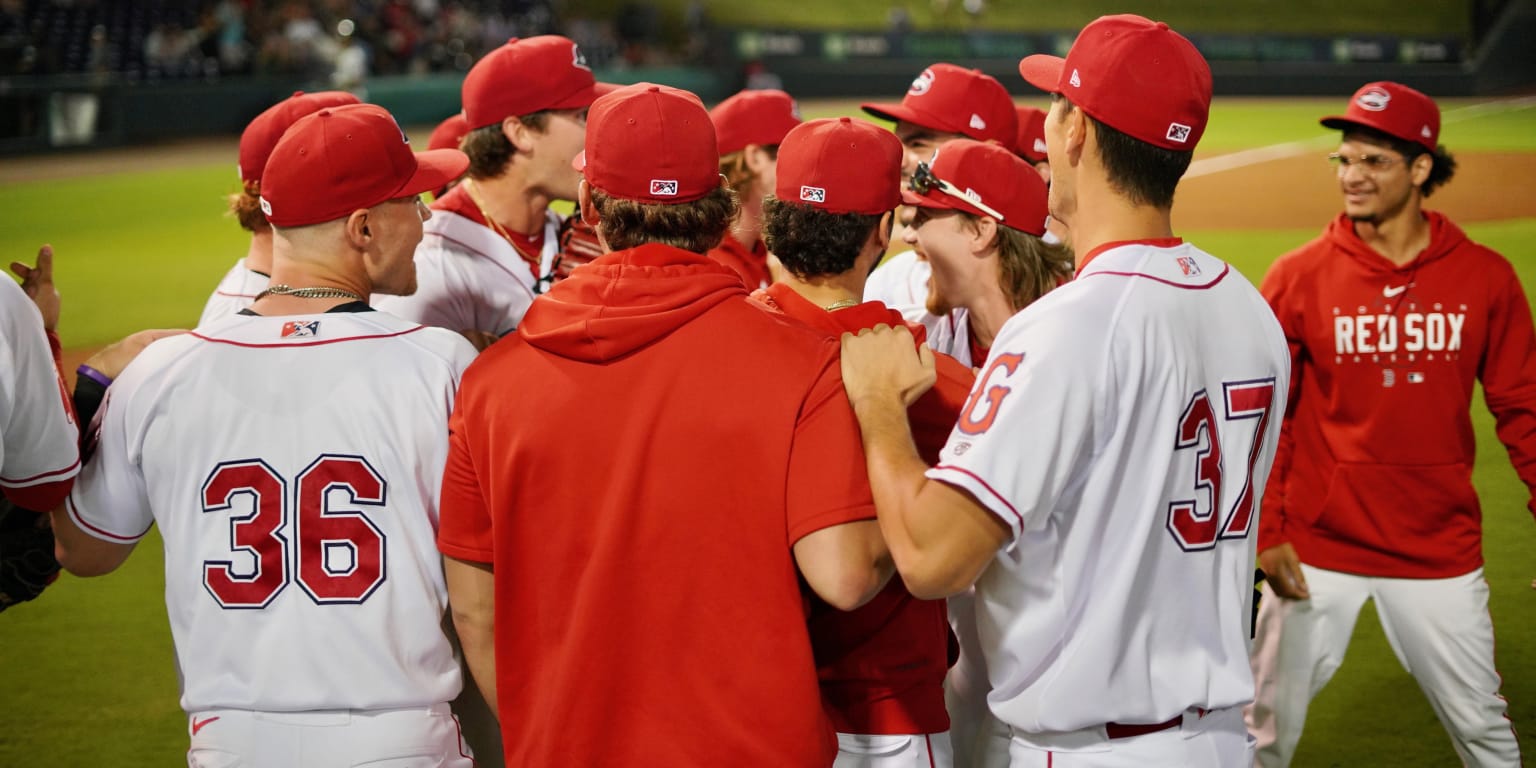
(887,223)
(520,135)
(983,235)
(584,204)
(1421,168)
(356,229)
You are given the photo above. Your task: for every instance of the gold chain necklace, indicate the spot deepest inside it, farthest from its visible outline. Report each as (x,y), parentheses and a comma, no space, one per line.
(474,197)
(844,304)
(319,292)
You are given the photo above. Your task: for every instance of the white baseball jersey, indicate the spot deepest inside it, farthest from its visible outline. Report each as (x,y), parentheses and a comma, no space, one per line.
(469,278)
(37,430)
(901,283)
(1122,428)
(293,465)
(235,292)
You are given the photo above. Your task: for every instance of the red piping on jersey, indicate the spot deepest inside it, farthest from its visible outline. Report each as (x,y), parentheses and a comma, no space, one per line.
(986,485)
(74,515)
(6,481)
(1224,270)
(1155,242)
(306,344)
(492,260)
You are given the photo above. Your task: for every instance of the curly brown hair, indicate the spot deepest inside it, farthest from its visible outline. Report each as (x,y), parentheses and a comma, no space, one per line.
(811,242)
(490,150)
(695,226)
(245,206)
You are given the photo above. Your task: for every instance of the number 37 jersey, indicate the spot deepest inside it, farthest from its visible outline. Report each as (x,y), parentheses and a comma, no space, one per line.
(293,466)
(1122,429)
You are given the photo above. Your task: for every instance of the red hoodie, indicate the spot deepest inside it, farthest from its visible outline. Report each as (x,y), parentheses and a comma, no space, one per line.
(1374,470)
(637,463)
(882,666)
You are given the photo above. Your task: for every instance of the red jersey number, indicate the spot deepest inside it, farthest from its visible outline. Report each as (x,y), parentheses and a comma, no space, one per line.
(338,553)
(1198,526)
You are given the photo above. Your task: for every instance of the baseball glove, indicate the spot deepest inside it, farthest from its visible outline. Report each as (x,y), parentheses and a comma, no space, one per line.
(26,554)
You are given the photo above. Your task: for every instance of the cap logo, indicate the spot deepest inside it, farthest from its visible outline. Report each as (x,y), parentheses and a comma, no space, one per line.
(1426,132)
(813,194)
(266,207)
(664,187)
(578,59)
(1075,81)
(923,82)
(1039,145)
(972,195)
(1374,100)
(1178,132)
(978,123)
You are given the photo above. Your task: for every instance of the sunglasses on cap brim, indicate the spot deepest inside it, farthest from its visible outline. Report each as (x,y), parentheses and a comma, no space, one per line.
(923,182)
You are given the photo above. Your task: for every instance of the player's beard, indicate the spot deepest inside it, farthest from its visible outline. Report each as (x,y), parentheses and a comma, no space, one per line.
(936,303)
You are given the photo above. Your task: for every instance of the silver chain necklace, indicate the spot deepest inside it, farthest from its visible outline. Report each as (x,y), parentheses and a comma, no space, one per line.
(309,293)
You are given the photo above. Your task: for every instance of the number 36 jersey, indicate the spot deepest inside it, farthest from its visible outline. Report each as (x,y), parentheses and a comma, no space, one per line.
(1122,429)
(293,466)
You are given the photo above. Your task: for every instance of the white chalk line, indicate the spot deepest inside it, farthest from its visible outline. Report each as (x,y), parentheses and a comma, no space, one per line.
(1247,157)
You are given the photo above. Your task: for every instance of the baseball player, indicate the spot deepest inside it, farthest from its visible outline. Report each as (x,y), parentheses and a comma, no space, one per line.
(38,457)
(945,102)
(492,241)
(1031,141)
(305,595)
(748,129)
(1101,486)
(881,666)
(249,275)
(662,604)
(980,223)
(1392,316)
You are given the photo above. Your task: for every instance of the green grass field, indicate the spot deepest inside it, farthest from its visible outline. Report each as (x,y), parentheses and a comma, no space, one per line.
(92,678)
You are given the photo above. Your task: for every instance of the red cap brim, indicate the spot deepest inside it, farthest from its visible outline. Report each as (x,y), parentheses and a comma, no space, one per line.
(434,168)
(938,200)
(1042,71)
(891,112)
(603,89)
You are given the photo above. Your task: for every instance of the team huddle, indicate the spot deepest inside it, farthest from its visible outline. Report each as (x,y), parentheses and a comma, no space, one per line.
(700,476)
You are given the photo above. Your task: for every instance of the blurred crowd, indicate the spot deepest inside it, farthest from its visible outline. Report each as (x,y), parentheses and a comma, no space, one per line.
(326,39)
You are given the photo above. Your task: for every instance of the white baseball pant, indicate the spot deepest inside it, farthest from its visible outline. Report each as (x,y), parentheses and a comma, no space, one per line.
(1214,739)
(980,740)
(1439,629)
(861,750)
(421,737)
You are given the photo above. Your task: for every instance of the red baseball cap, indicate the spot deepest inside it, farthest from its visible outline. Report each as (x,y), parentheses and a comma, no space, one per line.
(651,144)
(945,97)
(1031,143)
(971,176)
(1134,75)
(753,117)
(527,76)
(1394,109)
(840,165)
(448,133)
(337,160)
(262,133)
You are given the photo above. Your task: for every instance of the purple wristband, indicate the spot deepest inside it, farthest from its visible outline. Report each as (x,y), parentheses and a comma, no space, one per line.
(94,375)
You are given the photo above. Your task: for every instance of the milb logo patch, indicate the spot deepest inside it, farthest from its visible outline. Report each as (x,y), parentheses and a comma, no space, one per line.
(1178,132)
(664,187)
(300,328)
(813,194)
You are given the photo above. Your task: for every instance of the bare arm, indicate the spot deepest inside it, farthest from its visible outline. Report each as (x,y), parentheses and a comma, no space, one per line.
(82,554)
(472,599)
(940,538)
(846,565)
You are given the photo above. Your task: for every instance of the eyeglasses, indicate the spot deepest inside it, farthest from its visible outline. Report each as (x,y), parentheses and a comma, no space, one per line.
(1371,164)
(923,182)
